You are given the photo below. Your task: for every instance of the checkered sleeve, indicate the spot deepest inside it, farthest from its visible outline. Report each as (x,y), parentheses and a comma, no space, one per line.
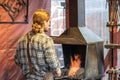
(50,54)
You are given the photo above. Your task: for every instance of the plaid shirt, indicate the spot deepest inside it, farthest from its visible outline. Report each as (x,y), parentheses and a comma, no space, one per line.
(42,53)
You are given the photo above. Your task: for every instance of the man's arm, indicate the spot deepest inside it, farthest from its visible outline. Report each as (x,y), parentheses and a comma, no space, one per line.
(51,56)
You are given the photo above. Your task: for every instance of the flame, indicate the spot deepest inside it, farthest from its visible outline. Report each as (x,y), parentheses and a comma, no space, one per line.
(75,65)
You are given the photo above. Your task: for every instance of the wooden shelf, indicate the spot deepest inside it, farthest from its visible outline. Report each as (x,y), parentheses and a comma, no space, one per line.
(111,45)
(112,24)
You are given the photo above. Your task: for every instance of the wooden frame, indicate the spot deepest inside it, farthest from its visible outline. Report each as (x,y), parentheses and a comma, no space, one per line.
(11,9)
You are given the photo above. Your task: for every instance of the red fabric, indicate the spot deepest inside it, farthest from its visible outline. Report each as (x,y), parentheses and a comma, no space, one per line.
(9,34)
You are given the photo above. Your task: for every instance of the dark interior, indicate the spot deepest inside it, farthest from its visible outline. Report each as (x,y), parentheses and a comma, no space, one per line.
(70,50)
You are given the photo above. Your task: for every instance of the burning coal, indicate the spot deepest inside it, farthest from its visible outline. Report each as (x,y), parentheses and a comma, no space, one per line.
(75,65)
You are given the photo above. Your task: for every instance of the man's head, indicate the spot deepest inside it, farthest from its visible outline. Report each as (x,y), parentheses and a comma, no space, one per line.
(40,21)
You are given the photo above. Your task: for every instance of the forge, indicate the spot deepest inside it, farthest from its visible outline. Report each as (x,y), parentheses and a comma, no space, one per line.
(88,46)
(79,39)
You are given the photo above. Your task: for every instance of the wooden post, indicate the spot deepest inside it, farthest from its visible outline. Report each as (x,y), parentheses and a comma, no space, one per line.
(113,18)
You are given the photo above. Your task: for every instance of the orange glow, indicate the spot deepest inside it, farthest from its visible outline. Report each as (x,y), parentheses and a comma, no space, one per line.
(75,65)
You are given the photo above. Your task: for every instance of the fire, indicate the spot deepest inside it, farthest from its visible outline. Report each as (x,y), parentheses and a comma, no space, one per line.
(75,65)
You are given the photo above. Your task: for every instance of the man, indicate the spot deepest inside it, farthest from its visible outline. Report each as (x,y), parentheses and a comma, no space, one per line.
(41,49)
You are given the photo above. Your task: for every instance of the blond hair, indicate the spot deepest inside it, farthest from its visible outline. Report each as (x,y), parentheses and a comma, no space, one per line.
(39,17)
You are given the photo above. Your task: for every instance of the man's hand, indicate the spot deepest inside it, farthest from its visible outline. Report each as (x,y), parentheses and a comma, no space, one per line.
(58,72)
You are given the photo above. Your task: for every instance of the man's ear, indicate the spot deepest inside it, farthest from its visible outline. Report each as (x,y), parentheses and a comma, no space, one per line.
(45,22)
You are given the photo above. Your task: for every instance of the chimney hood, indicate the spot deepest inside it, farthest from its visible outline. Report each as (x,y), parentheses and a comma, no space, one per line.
(77,36)
(76,32)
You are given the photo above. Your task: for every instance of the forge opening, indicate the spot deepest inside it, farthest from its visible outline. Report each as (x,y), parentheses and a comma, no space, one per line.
(71,50)
(82,61)
(74,60)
